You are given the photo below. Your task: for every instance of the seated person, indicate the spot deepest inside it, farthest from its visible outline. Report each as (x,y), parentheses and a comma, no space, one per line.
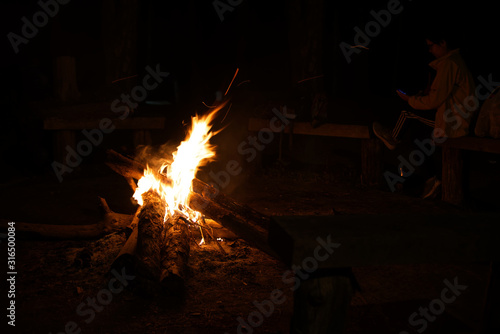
(446,107)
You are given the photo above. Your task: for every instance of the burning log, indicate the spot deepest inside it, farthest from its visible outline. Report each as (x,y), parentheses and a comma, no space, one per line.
(129,260)
(244,227)
(150,234)
(127,257)
(175,255)
(111,222)
(247,223)
(130,168)
(156,252)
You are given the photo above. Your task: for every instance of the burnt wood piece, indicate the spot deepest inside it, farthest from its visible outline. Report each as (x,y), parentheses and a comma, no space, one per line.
(141,254)
(242,220)
(128,254)
(246,229)
(129,261)
(131,168)
(175,256)
(130,246)
(150,234)
(219,231)
(111,222)
(156,252)
(243,212)
(50,231)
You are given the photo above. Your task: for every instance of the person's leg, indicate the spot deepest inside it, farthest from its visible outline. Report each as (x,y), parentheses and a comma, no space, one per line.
(431,169)
(400,124)
(426,117)
(391,138)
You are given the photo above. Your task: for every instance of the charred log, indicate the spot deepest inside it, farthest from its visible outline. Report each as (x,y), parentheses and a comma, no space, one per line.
(175,256)
(242,220)
(156,252)
(150,235)
(130,168)
(111,222)
(254,234)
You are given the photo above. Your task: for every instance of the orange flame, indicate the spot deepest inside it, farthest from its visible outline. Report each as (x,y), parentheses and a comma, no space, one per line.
(194,152)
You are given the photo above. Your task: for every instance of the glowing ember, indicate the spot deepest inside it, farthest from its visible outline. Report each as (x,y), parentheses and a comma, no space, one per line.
(191,154)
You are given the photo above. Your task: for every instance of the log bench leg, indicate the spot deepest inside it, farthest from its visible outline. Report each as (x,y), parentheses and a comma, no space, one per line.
(63,138)
(452,178)
(371,162)
(491,320)
(321,305)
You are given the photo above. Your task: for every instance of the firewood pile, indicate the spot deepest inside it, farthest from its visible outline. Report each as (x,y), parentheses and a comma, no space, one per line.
(158,251)
(157,248)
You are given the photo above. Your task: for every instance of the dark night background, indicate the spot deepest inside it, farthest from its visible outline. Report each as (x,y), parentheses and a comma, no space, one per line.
(275,44)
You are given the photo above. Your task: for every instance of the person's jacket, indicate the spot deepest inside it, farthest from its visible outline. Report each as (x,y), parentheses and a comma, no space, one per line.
(452,94)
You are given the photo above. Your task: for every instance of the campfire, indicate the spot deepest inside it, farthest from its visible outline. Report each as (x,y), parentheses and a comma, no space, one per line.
(176,210)
(175,190)
(174,207)
(159,245)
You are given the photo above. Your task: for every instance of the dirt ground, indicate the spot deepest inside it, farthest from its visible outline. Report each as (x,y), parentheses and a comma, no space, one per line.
(55,287)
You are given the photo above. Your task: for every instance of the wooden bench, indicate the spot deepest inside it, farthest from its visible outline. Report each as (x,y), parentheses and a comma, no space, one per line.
(371,148)
(375,240)
(68,121)
(452,176)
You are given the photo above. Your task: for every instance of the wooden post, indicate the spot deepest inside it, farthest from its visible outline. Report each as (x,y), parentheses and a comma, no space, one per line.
(491,322)
(62,139)
(66,87)
(142,137)
(306,33)
(371,162)
(119,34)
(452,179)
(321,303)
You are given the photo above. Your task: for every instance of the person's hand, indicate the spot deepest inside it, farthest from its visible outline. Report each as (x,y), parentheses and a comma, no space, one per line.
(403,96)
